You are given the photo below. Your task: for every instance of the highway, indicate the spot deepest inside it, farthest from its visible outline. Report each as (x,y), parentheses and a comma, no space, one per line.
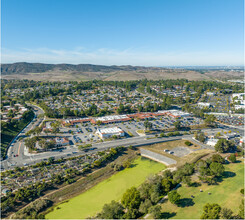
(17,147)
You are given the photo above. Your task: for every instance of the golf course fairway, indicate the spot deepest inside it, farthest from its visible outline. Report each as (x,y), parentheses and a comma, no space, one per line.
(90,202)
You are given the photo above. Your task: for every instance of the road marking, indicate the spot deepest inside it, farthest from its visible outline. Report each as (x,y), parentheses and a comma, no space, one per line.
(19,149)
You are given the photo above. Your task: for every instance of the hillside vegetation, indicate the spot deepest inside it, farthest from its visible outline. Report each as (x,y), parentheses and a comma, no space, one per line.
(68,72)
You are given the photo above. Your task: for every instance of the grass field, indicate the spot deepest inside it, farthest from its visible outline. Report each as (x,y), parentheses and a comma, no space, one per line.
(226,194)
(90,202)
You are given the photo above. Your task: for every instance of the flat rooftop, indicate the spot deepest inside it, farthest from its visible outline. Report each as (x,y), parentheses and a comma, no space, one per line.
(110,130)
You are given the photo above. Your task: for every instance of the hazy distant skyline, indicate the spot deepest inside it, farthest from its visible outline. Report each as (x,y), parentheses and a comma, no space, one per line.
(124,32)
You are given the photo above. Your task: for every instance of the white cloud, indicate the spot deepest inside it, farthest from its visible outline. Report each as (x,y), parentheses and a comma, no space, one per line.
(130,56)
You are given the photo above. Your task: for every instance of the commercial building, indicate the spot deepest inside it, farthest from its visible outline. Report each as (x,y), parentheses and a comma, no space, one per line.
(75,121)
(61,141)
(109,132)
(175,113)
(111,119)
(142,115)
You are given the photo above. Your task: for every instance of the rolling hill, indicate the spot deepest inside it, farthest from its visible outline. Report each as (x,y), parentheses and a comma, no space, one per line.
(64,72)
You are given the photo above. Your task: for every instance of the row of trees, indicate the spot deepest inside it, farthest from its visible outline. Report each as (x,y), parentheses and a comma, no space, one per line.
(215,211)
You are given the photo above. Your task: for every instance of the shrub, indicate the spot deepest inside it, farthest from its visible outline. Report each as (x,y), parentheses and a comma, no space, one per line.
(188,143)
(232,158)
(242,191)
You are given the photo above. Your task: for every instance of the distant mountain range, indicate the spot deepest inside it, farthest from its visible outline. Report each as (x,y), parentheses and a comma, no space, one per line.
(67,72)
(23,68)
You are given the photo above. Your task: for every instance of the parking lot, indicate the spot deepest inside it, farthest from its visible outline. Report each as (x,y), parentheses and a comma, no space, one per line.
(231,120)
(83,133)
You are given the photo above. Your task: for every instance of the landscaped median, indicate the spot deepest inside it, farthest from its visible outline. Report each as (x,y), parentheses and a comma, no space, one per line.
(90,202)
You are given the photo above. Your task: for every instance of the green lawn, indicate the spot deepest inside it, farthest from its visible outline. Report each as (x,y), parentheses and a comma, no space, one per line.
(90,202)
(226,194)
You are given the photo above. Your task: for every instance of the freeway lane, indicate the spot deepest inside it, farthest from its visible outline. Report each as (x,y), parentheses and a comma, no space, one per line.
(136,141)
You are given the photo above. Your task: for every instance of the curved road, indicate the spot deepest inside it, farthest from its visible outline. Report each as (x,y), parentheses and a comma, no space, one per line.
(17,147)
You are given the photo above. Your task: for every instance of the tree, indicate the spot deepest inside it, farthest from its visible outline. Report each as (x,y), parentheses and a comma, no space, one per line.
(210,121)
(144,206)
(127,164)
(232,158)
(200,136)
(177,125)
(38,130)
(43,144)
(173,196)
(55,131)
(217,169)
(155,211)
(187,180)
(166,184)
(148,125)
(155,196)
(131,198)
(217,158)
(226,213)
(10,113)
(113,210)
(144,190)
(162,134)
(211,211)
(224,146)
(30,143)
(131,214)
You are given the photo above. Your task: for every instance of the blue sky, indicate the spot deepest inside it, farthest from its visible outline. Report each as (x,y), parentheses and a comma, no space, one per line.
(122,32)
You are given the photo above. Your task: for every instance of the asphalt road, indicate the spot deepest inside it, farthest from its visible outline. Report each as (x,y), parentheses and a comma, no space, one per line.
(17,148)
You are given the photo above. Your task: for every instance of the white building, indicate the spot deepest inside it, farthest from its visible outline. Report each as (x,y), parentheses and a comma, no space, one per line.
(203,104)
(109,132)
(212,142)
(61,141)
(111,119)
(175,113)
